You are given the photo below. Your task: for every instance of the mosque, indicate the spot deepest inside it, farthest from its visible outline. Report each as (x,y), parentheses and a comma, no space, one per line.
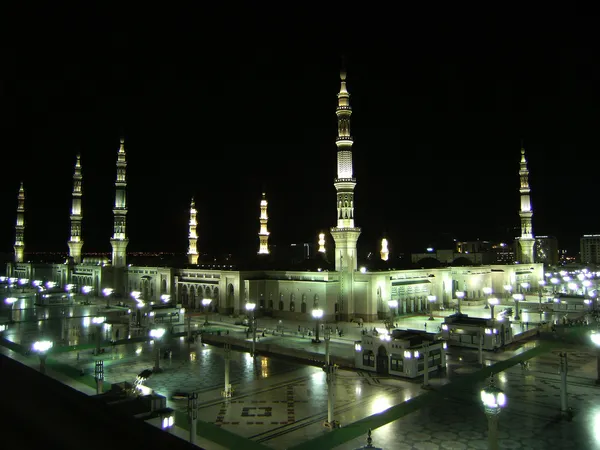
(344,293)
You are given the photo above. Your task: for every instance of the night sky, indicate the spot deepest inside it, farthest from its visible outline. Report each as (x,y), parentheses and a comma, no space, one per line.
(217,106)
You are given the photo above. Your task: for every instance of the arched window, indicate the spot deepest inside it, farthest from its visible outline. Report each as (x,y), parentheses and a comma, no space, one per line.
(292,306)
(280,305)
(316,301)
(303,307)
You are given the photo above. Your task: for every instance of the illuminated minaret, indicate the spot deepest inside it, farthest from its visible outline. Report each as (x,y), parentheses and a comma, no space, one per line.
(192,250)
(263,234)
(345,234)
(385,253)
(527,239)
(20,226)
(322,242)
(75,243)
(119,240)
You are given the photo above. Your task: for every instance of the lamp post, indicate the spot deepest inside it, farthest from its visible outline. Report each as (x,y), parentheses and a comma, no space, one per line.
(586,286)
(459,296)
(563,370)
(593,294)
(425,348)
(487,291)
(205,303)
(157,334)
(140,304)
(98,321)
(525,287)
(250,306)
(11,301)
(517,298)
(393,304)
(431,299)
(555,281)
(317,314)
(42,348)
(107,292)
(493,400)
(595,337)
(87,290)
(508,289)
(493,301)
(227,391)
(192,411)
(541,285)
(23,282)
(330,370)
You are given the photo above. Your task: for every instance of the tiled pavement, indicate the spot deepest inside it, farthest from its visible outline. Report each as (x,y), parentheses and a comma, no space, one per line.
(269,390)
(530,421)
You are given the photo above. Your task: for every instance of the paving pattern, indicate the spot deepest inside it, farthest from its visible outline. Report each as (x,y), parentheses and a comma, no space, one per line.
(281,404)
(530,421)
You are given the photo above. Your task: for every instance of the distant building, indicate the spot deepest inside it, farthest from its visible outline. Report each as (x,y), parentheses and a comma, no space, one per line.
(546,250)
(476,252)
(590,248)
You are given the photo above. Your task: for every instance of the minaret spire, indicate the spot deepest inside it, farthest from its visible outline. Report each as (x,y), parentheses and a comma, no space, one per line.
(76,243)
(263,234)
(119,240)
(193,237)
(385,252)
(527,239)
(345,233)
(20,226)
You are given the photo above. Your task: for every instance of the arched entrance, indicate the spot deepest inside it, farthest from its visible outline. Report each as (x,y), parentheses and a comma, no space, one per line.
(382,361)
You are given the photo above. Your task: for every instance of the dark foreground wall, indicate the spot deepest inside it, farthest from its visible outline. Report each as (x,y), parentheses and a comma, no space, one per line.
(39,412)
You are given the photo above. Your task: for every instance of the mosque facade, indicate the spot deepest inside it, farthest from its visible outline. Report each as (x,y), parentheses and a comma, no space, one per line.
(348,292)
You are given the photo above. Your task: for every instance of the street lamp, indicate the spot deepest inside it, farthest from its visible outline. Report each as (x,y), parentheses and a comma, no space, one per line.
(508,290)
(205,303)
(493,301)
(23,282)
(524,287)
(330,370)
(517,298)
(157,334)
(393,304)
(250,307)
(107,292)
(459,296)
(487,291)
(541,285)
(165,298)
(42,348)
(431,298)
(493,400)
(317,314)
(98,321)
(555,282)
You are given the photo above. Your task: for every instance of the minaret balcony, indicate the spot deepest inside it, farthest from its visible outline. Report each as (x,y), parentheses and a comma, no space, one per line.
(344,138)
(344,107)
